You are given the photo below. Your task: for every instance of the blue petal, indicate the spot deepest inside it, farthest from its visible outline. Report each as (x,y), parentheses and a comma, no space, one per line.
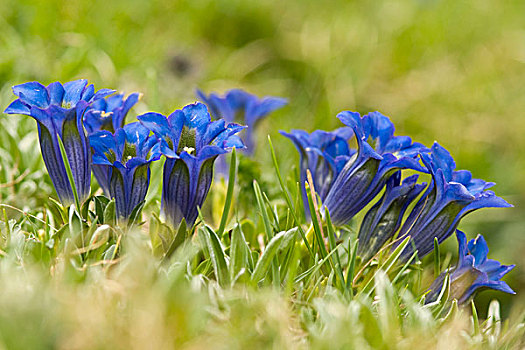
(88,93)
(197,117)
(32,93)
(73,91)
(18,107)
(102,93)
(479,249)
(56,93)
(462,246)
(159,125)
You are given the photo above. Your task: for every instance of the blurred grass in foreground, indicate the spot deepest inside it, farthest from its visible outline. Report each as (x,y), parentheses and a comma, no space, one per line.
(442,70)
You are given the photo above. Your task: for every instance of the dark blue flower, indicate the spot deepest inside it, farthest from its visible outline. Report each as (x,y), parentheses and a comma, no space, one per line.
(242,107)
(383,220)
(109,113)
(450,196)
(125,157)
(324,153)
(379,155)
(191,142)
(58,111)
(472,273)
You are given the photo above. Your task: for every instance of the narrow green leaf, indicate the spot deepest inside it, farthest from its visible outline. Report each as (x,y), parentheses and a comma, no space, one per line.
(475,319)
(110,213)
(217,255)
(267,226)
(262,210)
(316,224)
(239,252)
(229,193)
(179,238)
(387,264)
(336,260)
(352,251)
(287,198)
(263,264)
(69,173)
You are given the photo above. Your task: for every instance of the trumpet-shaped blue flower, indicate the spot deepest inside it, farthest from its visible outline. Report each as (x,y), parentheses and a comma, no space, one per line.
(242,107)
(472,273)
(451,195)
(324,154)
(379,155)
(383,220)
(109,113)
(125,156)
(58,111)
(191,142)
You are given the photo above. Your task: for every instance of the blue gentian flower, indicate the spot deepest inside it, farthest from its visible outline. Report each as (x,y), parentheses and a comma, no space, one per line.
(472,273)
(383,220)
(191,142)
(324,153)
(58,111)
(109,113)
(242,107)
(125,156)
(451,195)
(365,175)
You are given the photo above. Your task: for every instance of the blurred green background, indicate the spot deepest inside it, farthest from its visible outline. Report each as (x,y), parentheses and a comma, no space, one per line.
(452,71)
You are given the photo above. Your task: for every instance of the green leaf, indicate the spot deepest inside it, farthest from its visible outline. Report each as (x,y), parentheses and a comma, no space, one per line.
(287,198)
(217,255)
(229,194)
(239,253)
(69,173)
(263,264)
(109,213)
(267,226)
(180,237)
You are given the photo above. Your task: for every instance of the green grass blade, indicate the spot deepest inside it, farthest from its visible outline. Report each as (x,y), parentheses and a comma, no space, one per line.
(267,227)
(264,262)
(316,224)
(217,255)
(229,193)
(287,198)
(352,251)
(69,173)
(238,252)
(333,247)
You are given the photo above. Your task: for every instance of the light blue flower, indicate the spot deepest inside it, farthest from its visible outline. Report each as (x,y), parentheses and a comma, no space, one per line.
(242,107)
(58,111)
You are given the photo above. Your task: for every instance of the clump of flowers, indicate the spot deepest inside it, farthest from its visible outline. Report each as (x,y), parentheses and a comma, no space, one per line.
(90,128)
(191,142)
(58,110)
